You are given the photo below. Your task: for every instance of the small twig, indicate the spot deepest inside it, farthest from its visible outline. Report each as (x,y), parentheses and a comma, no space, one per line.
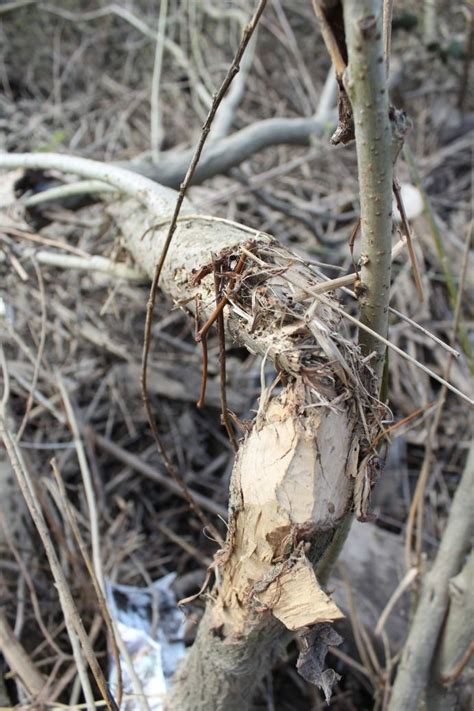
(407,232)
(138,465)
(202,392)
(387,31)
(425,332)
(388,344)
(86,480)
(388,430)
(363,644)
(467,64)
(222,365)
(330,41)
(19,661)
(5,380)
(396,595)
(71,615)
(32,237)
(440,250)
(207,218)
(327,97)
(92,263)
(225,299)
(80,187)
(156,128)
(457,671)
(417,504)
(412,674)
(203,560)
(93,576)
(39,356)
(401,353)
(33,596)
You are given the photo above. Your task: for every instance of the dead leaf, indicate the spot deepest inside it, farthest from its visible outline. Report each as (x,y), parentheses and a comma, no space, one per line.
(310,664)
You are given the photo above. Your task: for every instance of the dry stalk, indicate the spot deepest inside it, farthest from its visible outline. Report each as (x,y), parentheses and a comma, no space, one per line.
(19,661)
(97,582)
(232,71)
(417,505)
(156,127)
(77,633)
(39,356)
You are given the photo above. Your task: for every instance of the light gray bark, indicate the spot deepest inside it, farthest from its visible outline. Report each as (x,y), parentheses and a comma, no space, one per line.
(443,693)
(413,671)
(226,153)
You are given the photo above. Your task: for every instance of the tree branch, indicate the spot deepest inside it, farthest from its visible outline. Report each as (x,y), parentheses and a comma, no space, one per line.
(456,642)
(415,663)
(365,81)
(226,153)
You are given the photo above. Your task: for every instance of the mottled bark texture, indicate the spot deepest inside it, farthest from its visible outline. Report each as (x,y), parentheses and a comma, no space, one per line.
(366,85)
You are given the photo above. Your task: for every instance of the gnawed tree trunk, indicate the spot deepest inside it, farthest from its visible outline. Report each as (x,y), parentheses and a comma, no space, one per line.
(291,487)
(297,471)
(303,466)
(300,467)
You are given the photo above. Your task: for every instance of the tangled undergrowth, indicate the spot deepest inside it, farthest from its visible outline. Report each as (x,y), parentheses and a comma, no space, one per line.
(79,81)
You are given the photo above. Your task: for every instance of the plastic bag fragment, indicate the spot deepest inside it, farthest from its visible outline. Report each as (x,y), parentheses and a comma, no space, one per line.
(152,628)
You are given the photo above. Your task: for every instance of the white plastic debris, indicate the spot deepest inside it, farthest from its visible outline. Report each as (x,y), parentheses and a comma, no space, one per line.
(412,200)
(152,627)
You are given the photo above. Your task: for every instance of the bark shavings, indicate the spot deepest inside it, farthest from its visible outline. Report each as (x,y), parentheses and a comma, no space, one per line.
(292,479)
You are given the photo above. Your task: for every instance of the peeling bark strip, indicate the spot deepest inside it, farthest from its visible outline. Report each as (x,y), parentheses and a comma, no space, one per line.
(271,311)
(291,480)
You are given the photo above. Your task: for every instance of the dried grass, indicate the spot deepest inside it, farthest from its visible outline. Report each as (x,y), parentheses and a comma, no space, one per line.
(70,93)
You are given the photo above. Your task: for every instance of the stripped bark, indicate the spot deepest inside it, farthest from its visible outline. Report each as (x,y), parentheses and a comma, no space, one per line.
(291,487)
(293,481)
